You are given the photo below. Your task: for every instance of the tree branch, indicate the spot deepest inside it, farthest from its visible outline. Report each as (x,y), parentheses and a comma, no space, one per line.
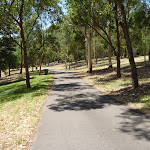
(72,24)
(11,4)
(109,42)
(76,27)
(32,27)
(11,36)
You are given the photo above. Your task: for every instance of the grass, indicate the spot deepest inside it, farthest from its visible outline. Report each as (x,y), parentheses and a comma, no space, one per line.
(107,82)
(20,109)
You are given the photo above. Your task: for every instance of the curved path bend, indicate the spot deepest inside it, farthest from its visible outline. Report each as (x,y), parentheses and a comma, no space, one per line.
(79,117)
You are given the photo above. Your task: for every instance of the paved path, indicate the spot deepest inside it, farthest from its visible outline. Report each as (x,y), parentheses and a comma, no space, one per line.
(78,117)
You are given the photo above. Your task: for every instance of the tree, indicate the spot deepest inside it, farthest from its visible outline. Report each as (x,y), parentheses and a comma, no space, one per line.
(7,57)
(118,42)
(15,16)
(3,61)
(128,42)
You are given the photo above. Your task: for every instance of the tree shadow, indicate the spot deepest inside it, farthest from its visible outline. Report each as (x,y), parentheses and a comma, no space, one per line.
(69,87)
(103,71)
(143,70)
(129,94)
(135,123)
(59,72)
(17,89)
(10,82)
(19,92)
(81,102)
(82,98)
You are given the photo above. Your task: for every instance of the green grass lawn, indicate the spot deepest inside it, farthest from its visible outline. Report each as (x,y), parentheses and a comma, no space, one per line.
(20,109)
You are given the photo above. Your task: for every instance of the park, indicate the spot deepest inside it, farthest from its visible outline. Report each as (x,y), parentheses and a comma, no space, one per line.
(74,75)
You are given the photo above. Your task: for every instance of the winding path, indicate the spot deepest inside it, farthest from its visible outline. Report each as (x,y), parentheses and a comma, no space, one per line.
(78,117)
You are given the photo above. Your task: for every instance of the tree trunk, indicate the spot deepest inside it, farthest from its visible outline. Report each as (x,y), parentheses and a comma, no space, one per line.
(120,47)
(42,53)
(95,50)
(118,67)
(9,67)
(129,47)
(149,56)
(109,46)
(65,62)
(86,59)
(24,46)
(26,65)
(41,62)
(90,51)
(0,74)
(25,61)
(118,43)
(21,59)
(48,61)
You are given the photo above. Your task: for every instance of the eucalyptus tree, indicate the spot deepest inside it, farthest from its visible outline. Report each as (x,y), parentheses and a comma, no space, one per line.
(14,14)
(96,15)
(82,10)
(77,9)
(128,42)
(100,16)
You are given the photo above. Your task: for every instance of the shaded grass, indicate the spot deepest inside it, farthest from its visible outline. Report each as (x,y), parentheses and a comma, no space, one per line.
(105,79)
(20,109)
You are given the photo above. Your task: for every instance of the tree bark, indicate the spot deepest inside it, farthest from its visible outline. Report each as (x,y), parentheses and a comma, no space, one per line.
(41,62)
(42,53)
(21,59)
(26,65)
(24,47)
(90,51)
(87,57)
(118,43)
(129,47)
(109,46)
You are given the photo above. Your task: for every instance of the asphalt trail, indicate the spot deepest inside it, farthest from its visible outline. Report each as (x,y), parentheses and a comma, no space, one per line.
(79,117)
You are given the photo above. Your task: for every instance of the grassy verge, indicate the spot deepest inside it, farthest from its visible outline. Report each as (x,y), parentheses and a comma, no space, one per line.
(107,82)
(20,109)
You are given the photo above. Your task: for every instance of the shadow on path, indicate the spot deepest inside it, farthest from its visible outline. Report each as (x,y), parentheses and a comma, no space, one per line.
(135,123)
(78,97)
